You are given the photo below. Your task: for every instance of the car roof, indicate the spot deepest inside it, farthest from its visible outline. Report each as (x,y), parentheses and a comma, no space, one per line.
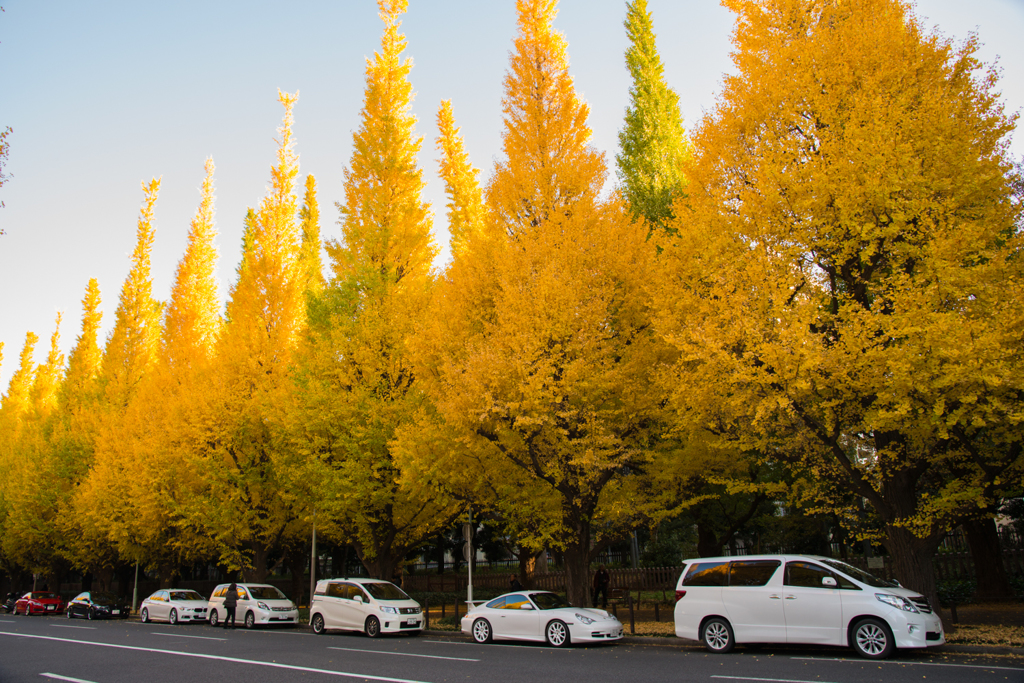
(358,579)
(768,556)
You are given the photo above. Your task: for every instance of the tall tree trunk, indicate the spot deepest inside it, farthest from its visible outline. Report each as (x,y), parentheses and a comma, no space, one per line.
(577,558)
(708,544)
(983,539)
(912,561)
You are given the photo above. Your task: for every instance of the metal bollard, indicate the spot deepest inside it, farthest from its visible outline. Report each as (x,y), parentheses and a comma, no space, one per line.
(657,615)
(632,625)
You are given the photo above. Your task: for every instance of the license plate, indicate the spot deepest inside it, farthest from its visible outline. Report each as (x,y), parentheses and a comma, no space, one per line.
(115,611)
(50,608)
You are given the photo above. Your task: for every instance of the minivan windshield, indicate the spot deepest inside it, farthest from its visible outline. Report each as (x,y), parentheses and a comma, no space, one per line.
(266,593)
(860,574)
(385,591)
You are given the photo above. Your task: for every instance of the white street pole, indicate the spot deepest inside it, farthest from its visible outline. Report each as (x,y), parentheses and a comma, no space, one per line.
(135,591)
(312,564)
(469,557)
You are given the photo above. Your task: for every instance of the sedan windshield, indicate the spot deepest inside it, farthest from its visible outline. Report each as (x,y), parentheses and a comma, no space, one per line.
(186,595)
(105,598)
(385,591)
(266,593)
(549,601)
(860,575)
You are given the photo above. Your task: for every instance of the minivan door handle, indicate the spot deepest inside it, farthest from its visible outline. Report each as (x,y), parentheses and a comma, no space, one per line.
(774,596)
(791,597)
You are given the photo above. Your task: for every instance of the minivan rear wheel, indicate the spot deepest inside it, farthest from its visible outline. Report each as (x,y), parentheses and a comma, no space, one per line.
(872,639)
(318,624)
(717,635)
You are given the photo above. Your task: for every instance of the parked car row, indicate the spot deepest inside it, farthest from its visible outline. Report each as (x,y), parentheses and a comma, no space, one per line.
(720,601)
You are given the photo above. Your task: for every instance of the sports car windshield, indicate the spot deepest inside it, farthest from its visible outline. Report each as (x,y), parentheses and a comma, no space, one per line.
(186,595)
(860,575)
(385,591)
(549,601)
(265,593)
(45,596)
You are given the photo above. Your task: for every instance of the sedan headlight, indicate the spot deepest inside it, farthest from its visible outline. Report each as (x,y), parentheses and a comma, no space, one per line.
(387,609)
(263,606)
(897,602)
(586,621)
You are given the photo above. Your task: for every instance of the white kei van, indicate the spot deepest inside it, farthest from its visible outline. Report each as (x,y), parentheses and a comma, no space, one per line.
(368,605)
(723,601)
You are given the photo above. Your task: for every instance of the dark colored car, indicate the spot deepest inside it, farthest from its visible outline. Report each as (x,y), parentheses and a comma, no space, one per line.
(99,605)
(39,602)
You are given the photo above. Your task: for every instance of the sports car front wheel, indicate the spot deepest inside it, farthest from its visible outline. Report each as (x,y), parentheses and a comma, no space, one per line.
(557,634)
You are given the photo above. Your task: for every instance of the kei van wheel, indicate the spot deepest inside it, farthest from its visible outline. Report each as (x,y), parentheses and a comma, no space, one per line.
(482,631)
(214,617)
(372,627)
(250,620)
(144,615)
(717,635)
(872,639)
(557,634)
(318,624)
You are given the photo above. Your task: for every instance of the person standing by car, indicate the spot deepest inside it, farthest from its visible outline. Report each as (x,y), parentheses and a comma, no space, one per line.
(513,584)
(230,602)
(601,580)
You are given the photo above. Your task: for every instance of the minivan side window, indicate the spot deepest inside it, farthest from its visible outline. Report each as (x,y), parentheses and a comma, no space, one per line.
(336,590)
(752,572)
(706,574)
(809,575)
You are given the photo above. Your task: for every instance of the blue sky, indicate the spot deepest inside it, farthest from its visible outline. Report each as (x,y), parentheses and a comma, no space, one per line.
(104,95)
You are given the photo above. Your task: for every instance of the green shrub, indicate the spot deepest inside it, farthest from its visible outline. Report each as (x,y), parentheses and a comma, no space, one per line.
(956,592)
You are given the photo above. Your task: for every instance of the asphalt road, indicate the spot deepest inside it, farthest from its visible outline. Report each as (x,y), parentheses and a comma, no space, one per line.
(41,649)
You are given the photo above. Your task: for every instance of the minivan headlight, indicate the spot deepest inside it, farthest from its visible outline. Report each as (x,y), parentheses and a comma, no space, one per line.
(263,606)
(387,609)
(897,602)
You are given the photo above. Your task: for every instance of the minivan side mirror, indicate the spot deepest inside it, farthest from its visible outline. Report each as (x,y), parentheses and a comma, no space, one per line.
(828,582)
(358,598)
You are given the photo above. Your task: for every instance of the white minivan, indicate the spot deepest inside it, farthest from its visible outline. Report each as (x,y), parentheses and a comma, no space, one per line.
(806,599)
(368,605)
(258,605)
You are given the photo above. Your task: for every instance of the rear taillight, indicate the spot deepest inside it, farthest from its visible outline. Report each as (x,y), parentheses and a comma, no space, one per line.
(680,595)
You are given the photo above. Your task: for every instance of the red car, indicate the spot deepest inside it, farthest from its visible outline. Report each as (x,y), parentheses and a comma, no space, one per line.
(39,602)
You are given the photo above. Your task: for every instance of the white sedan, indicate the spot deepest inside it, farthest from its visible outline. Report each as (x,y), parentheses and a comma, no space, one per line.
(173,606)
(539,616)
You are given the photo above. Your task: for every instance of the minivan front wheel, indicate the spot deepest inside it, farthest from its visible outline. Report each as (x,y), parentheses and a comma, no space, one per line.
(214,617)
(250,619)
(717,635)
(872,639)
(372,627)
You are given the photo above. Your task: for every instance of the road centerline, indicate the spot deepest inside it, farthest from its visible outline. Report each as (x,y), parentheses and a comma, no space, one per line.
(524,644)
(65,678)
(86,628)
(220,658)
(404,654)
(771,680)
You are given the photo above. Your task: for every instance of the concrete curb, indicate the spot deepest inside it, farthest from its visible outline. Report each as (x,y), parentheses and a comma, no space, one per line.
(680,643)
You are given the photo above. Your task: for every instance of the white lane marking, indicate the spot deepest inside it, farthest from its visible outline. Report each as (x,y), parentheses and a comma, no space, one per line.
(178,635)
(525,642)
(235,660)
(66,678)
(404,654)
(903,663)
(773,680)
(87,628)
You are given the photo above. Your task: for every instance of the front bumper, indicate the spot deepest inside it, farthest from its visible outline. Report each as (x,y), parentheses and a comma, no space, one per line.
(192,616)
(599,632)
(276,617)
(916,630)
(401,623)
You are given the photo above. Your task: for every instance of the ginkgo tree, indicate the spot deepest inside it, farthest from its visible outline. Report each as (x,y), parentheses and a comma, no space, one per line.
(357,385)
(842,291)
(541,352)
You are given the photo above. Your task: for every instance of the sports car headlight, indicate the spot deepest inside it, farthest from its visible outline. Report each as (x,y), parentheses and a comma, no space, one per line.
(897,602)
(586,621)
(263,606)
(386,609)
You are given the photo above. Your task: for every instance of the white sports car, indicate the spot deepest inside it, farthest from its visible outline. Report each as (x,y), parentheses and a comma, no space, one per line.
(173,606)
(539,616)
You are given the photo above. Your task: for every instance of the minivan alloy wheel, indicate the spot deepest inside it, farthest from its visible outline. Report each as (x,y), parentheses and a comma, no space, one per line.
(717,635)
(372,627)
(250,619)
(318,624)
(871,639)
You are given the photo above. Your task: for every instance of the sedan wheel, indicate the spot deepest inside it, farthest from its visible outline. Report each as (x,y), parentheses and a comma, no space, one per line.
(88,615)
(250,619)
(318,624)
(144,615)
(557,634)
(717,635)
(214,617)
(872,639)
(70,614)
(482,631)
(172,618)
(372,627)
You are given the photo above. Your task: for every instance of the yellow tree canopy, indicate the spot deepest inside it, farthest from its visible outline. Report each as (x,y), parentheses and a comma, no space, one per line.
(465,198)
